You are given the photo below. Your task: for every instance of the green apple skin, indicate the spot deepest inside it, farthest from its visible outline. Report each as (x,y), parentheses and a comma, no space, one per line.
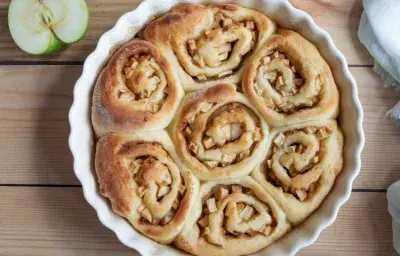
(74,26)
(68,24)
(55,45)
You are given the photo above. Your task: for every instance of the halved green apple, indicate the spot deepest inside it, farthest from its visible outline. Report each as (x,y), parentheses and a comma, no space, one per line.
(44,26)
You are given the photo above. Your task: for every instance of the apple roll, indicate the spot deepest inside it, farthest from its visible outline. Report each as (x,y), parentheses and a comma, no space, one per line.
(289,82)
(301,166)
(209,44)
(146,183)
(218,134)
(232,217)
(137,91)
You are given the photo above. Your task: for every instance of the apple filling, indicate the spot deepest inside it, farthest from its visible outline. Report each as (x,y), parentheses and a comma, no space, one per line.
(146,83)
(222,136)
(292,164)
(233,211)
(157,189)
(282,87)
(221,49)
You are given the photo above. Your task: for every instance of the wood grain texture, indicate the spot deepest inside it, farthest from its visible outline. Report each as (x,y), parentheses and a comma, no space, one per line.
(339,18)
(35,220)
(34,129)
(34,103)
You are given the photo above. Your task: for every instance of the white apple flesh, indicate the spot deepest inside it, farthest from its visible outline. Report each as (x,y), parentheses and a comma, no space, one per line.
(44,26)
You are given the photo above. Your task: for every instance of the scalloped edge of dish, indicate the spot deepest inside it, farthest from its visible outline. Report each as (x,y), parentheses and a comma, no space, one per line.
(81,136)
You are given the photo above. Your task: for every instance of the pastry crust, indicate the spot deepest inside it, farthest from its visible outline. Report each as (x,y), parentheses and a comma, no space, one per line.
(218,134)
(289,82)
(245,219)
(258,183)
(301,166)
(209,44)
(137,91)
(146,182)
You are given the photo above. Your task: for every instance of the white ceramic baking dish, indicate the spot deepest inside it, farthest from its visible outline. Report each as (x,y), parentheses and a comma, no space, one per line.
(81,139)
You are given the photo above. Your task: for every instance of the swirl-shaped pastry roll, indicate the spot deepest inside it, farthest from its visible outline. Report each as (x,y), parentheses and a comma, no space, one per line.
(232,217)
(146,183)
(209,44)
(289,82)
(137,91)
(218,134)
(301,166)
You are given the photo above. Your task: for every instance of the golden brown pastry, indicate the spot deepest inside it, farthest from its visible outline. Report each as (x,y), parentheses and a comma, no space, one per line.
(258,183)
(209,44)
(289,82)
(218,134)
(146,183)
(232,217)
(301,166)
(137,91)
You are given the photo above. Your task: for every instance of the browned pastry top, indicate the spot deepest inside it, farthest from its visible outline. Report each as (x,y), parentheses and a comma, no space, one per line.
(218,134)
(146,183)
(138,90)
(256,127)
(289,82)
(209,44)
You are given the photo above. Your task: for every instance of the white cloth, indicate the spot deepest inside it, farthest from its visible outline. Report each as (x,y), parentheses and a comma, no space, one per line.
(393,197)
(379,31)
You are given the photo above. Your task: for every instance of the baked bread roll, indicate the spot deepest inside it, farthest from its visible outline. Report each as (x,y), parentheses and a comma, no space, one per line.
(289,82)
(232,217)
(301,166)
(209,44)
(146,183)
(137,91)
(218,134)
(257,183)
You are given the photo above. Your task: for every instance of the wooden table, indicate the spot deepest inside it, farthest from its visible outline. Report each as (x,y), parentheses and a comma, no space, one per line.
(42,208)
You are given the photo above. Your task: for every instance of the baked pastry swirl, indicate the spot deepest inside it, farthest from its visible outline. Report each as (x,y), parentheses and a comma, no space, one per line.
(301,166)
(146,183)
(232,217)
(137,91)
(209,44)
(218,134)
(289,82)
(155,143)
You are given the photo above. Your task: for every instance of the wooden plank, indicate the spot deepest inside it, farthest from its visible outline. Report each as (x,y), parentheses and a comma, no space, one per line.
(363,227)
(35,220)
(34,103)
(103,16)
(52,221)
(380,161)
(339,18)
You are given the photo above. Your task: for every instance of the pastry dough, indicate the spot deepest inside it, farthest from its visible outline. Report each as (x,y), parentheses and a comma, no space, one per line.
(146,183)
(301,166)
(258,183)
(209,44)
(218,134)
(232,217)
(289,82)
(137,91)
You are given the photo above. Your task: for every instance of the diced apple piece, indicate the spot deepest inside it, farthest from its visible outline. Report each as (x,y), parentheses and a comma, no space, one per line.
(247,213)
(211,205)
(221,193)
(203,222)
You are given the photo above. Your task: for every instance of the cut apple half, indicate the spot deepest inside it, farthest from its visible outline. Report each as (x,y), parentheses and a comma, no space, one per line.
(44,26)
